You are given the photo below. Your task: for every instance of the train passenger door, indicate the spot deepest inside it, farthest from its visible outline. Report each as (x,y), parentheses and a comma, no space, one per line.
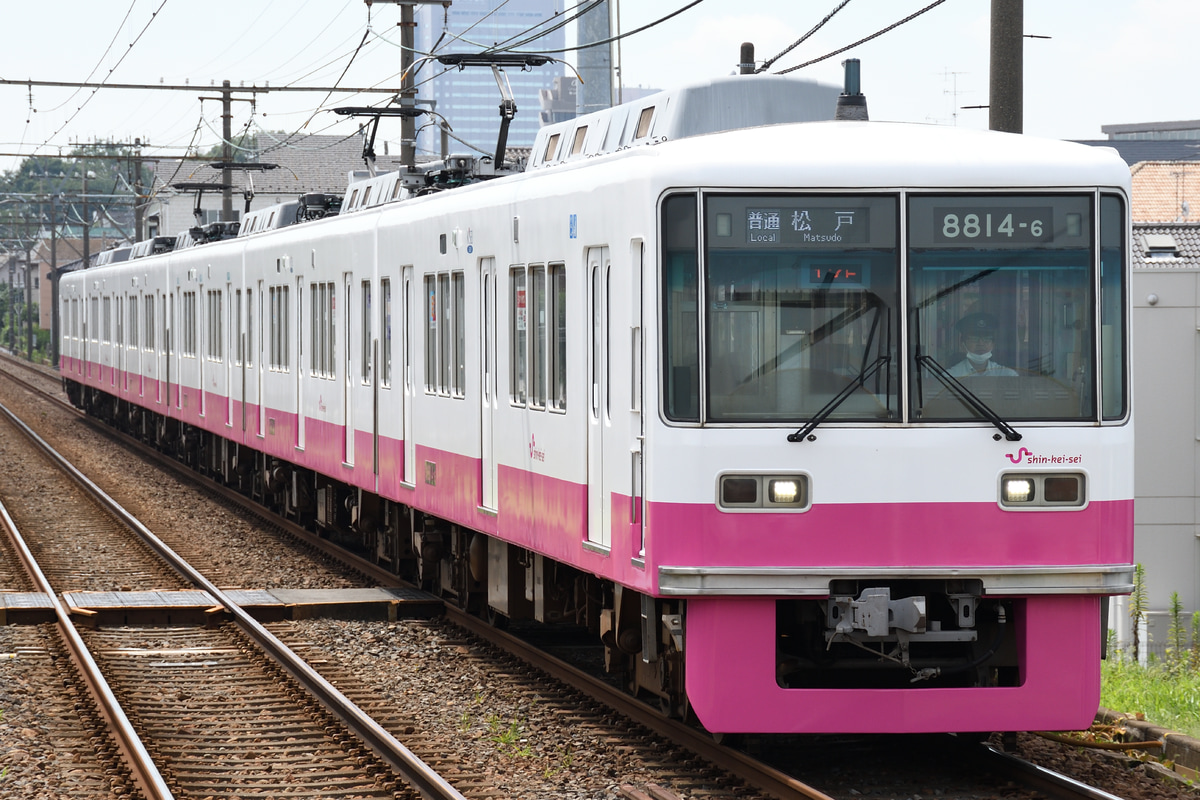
(487,365)
(348,364)
(599,503)
(637,423)
(410,447)
(233,324)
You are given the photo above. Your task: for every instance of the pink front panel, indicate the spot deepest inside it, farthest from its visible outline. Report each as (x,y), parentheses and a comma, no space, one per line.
(730,654)
(891,535)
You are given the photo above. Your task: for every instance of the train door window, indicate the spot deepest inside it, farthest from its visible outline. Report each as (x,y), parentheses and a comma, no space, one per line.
(107,320)
(537,376)
(215,320)
(458,290)
(431,333)
(681,334)
(517,336)
(1002,301)
(365,355)
(239,345)
(445,333)
(385,331)
(558,336)
(1114,367)
(248,346)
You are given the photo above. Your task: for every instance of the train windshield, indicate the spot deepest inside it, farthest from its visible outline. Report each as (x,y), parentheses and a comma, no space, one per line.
(800,300)
(1001,301)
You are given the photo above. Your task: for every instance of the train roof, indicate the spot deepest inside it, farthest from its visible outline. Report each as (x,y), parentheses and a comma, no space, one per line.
(720,104)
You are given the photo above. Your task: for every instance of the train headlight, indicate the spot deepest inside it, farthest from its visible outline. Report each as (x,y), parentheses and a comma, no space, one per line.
(1043,490)
(763,492)
(1016,490)
(784,490)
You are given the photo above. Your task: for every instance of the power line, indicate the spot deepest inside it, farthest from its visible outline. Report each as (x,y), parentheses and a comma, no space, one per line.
(767,64)
(877,34)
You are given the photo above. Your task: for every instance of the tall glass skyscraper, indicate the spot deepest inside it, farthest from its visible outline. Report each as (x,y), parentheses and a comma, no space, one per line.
(469,99)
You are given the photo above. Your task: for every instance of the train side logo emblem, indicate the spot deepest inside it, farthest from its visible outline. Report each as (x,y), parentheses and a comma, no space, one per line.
(1016,459)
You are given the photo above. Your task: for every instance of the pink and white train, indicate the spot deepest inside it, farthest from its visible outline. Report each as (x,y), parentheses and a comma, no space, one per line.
(820,426)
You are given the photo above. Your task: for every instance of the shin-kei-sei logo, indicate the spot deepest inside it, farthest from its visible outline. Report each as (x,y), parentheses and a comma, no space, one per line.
(1029,458)
(534,453)
(1016,458)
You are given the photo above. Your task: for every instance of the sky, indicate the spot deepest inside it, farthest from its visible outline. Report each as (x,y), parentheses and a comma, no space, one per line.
(1105,62)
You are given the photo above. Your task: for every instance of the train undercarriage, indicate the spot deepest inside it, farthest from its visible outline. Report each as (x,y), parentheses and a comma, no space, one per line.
(642,636)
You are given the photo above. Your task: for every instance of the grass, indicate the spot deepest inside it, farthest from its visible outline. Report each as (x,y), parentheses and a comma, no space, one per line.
(1168,694)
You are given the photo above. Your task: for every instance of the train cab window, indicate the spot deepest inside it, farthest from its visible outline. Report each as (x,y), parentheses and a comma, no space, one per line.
(1114,366)
(1001,302)
(801,297)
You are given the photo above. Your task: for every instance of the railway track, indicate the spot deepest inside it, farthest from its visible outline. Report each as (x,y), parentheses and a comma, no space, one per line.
(700,766)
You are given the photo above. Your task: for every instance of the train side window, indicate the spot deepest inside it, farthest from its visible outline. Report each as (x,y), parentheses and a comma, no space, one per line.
(643,123)
(517,335)
(1114,367)
(551,147)
(431,321)
(537,378)
(681,337)
(133,321)
(149,327)
(458,289)
(107,320)
(280,333)
(189,323)
(580,137)
(214,325)
(446,333)
(558,336)
(248,345)
(323,339)
(385,326)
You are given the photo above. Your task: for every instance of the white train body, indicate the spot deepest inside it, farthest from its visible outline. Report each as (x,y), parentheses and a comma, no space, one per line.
(519,372)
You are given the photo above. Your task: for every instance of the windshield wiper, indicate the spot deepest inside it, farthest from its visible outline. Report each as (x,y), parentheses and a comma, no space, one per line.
(968,397)
(831,406)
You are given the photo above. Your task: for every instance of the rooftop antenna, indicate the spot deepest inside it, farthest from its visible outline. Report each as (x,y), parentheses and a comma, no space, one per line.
(851,103)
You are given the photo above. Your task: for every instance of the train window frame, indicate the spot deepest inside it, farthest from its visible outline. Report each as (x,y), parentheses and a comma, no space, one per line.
(385,330)
(518,334)
(556,287)
(1022,277)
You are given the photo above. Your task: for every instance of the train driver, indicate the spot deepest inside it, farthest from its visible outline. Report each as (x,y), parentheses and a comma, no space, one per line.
(976,334)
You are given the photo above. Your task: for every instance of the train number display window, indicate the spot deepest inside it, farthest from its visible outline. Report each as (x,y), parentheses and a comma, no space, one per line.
(800,309)
(1002,305)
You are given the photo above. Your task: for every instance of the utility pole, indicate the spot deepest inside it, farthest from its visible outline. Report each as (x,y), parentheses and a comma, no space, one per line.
(226,151)
(1005,112)
(53,276)
(87,221)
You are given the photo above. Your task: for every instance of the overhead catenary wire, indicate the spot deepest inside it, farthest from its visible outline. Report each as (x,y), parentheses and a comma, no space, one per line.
(767,64)
(619,37)
(128,50)
(875,35)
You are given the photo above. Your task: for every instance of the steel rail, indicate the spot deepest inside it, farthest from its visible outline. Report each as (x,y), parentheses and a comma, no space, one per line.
(142,767)
(416,772)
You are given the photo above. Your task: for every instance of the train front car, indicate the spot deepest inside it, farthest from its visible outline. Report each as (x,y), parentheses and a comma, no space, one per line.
(891,471)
